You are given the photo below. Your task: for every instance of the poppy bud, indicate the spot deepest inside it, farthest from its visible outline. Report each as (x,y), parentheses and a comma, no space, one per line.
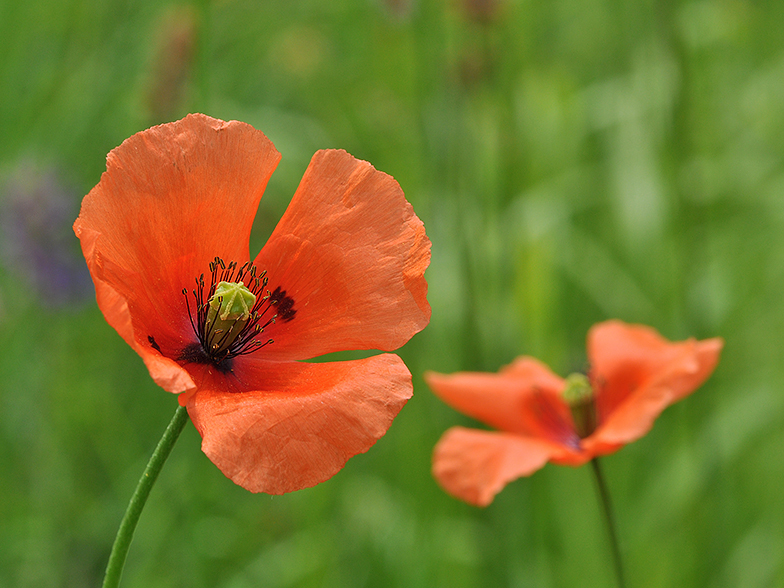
(578,394)
(230,310)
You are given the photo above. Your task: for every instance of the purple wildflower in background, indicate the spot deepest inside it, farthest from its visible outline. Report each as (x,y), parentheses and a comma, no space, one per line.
(36,212)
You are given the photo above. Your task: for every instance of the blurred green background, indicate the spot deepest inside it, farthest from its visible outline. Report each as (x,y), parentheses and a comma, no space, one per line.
(573,161)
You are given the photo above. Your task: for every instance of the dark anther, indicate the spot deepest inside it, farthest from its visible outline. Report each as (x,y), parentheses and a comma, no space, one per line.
(284,305)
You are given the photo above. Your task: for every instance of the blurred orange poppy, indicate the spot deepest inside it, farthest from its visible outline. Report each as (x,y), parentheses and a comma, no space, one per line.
(344,269)
(635,374)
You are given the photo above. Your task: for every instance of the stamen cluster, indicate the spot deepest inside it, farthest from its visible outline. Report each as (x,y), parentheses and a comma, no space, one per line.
(220,342)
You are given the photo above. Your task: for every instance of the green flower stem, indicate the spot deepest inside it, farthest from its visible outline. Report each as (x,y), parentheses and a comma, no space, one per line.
(610,520)
(124,537)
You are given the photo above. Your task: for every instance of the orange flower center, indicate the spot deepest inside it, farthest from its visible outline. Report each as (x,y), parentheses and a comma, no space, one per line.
(232,316)
(579,395)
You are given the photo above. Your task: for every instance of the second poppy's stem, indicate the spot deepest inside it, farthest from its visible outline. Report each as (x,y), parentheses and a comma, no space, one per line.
(128,525)
(610,520)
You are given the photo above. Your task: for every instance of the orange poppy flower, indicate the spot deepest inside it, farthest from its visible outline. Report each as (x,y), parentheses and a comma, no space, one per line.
(635,374)
(169,225)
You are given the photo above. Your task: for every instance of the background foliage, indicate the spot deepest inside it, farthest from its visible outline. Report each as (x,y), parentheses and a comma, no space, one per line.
(572,162)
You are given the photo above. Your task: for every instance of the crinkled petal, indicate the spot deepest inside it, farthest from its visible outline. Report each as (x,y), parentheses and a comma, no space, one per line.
(523,398)
(165,372)
(351,254)
(277,427)
(475,465)
(688,365)
(172,198)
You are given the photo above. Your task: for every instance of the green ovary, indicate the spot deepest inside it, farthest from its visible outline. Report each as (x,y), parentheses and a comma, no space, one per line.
(230,309)
(579,395)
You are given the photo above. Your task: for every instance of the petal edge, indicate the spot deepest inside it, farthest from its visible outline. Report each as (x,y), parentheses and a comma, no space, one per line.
(351,253)
(306,422)
(475,465)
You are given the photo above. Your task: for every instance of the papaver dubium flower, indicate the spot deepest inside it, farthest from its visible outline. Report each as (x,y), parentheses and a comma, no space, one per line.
(166,238)
(634,375)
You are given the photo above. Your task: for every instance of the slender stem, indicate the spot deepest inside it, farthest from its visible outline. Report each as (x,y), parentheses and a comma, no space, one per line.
(610,520)
(124,537)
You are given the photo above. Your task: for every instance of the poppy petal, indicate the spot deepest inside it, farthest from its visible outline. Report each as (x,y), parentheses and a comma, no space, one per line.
(523,398)
(475,465)
(165,372)
(640,374)
(173,198)
(283,426)
(351,254)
